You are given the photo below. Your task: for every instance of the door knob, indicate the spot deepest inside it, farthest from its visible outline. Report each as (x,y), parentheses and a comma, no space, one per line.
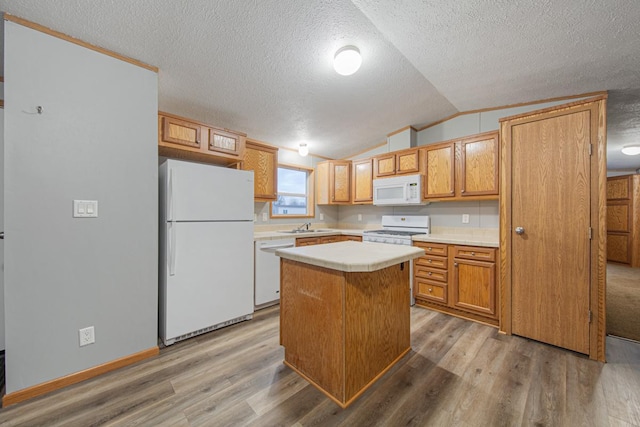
(519,230)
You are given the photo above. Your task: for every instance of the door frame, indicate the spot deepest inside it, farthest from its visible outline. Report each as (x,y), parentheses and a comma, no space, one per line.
(598,248)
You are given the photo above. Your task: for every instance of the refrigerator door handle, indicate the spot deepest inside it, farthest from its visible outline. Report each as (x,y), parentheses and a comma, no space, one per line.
(170,195)
(172,249)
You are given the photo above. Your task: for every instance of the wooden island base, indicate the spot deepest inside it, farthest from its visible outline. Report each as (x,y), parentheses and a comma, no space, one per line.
(343,330)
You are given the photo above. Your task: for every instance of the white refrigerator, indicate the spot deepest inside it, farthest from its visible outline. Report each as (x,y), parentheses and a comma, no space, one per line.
(206,248)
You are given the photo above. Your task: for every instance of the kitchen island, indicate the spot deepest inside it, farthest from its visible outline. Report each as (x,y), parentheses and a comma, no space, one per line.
(344,313)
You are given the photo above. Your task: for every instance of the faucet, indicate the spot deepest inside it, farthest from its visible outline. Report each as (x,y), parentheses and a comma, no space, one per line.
(306,224)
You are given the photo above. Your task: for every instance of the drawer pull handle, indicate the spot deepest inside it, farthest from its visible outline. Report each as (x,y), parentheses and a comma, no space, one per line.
(473,254)
(429,273)
(429,248)
(430,290)
(429,261)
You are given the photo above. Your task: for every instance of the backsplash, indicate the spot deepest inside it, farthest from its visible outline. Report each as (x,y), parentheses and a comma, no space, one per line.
(482,214)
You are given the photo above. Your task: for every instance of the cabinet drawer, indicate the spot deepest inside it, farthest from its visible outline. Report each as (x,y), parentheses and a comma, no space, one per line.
(470,252)
(430,290)
(306,241)
(430,273)
(432,248)
(330,239)
(432,261)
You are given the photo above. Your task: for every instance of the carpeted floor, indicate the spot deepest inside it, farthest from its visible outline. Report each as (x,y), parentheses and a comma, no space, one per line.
(623,301)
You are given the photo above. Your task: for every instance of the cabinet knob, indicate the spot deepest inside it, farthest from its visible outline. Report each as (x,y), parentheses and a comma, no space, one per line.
(429,273)
(473,254)
(428,249)
(455,264)
(429,261)
(430,290)
(519,230)
(462,191)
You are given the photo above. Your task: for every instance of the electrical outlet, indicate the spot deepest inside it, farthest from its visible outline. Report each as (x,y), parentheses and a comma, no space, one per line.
(465,218)
(86,336)
(359,217)
(265,218)
(255,217)
(321,216)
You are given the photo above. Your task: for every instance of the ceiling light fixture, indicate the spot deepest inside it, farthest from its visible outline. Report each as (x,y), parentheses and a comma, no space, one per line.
(303,150)
(631,150)
(347,60)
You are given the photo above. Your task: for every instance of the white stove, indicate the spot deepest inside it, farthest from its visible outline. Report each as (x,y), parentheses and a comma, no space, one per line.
(398,229)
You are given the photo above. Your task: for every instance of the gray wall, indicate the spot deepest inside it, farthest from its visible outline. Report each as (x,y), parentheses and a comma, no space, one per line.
(96,140)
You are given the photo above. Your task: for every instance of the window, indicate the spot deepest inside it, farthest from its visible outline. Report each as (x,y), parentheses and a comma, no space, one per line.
(295,189)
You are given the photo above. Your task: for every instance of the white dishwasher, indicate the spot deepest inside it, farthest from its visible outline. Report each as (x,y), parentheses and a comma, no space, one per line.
(267,271)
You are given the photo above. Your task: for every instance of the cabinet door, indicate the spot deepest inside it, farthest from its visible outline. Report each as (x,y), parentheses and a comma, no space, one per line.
(619,187)
(322,183)
(408,162)
(384,165)
(440,160)
(225,142)
(307,241)
(618,247)
(340,181)
(618,216)
(263,161)
(479,166)
(181,132)
(474,286)
(363,181)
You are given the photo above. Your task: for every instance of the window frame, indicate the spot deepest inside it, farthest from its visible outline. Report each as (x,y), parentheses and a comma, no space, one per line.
(311,206)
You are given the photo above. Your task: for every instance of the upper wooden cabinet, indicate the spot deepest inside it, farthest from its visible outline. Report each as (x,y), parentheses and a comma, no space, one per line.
(440,159)
(188,139)
(398,163)
(463,169)
(479,165)
(623,219)
(262,159)
(333,182)
(362,181)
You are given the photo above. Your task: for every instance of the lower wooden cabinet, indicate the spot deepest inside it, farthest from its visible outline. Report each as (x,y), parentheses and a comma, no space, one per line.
(458,280)
(306,241)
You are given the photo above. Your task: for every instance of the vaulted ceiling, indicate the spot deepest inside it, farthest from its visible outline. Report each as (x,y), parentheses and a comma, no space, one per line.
(265,67)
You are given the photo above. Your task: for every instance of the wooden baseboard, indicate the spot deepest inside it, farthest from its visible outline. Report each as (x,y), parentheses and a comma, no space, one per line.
(58,383)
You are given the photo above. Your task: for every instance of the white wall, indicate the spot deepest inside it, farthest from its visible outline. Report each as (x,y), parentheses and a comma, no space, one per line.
(96,140)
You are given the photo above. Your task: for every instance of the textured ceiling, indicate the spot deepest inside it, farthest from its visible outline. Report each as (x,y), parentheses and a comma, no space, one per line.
(264,67)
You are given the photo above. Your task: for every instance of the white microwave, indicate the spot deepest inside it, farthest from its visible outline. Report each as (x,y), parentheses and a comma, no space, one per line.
(398,191)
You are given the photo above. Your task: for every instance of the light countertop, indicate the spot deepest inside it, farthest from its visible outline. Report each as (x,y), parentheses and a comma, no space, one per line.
(272,235)
(460,239)
(477,237)
(352,256)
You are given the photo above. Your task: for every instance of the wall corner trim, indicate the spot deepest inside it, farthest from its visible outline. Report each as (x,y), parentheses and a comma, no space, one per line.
(58,383)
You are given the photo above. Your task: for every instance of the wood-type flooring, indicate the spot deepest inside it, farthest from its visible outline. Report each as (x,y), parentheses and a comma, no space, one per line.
(459,373)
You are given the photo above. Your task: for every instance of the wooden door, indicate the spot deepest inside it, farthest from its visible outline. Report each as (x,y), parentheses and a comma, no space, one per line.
(479,165)
(384,165)
(551,201)
(474,286)
(440,160)
(263,161)
(363,181)
(408,162)
(181,132)
(340,181)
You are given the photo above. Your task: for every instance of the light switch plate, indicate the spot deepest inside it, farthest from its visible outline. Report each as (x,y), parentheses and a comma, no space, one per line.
(321,216)
(85,208)
(265,218)
(465,218)
(359,217)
